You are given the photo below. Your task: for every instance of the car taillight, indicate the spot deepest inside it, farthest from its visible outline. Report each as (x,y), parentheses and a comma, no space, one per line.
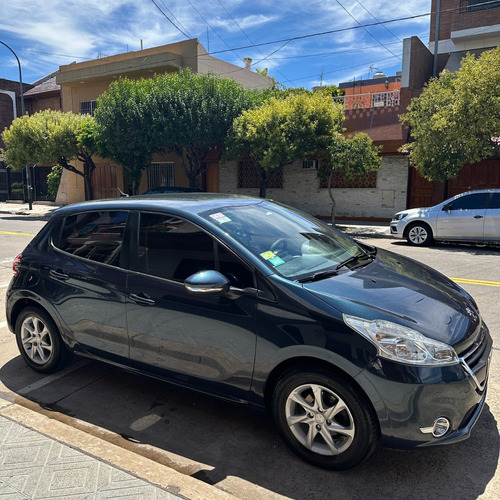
(17,264)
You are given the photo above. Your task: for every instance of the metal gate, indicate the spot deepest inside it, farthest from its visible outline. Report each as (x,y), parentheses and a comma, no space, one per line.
(161,174)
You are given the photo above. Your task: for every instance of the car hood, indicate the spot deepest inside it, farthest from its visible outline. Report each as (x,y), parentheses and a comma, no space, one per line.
(419,212)
(401,290)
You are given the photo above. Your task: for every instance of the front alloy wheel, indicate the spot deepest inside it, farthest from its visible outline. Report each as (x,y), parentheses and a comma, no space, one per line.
(324,420)
(419,234)
(319,419)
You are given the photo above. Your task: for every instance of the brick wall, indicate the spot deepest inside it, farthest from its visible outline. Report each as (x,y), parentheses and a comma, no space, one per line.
(452,19)
(301,189)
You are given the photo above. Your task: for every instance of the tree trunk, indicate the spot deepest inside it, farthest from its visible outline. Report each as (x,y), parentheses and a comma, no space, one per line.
(263,186)
(330,194)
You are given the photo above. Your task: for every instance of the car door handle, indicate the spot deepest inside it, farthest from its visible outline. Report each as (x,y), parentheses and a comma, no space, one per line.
(478,216)
(142,299)
(58,275)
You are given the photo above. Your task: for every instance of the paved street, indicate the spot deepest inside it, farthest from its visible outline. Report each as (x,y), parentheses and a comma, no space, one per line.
(140,429)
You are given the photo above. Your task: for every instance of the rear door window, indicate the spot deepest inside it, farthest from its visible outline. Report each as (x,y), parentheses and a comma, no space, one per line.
(494,201)
(97,236)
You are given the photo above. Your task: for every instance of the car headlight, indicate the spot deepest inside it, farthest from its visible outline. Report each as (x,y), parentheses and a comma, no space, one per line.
(400,216)
(402,344)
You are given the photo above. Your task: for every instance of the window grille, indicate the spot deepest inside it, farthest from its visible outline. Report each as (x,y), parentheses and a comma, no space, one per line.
(249,176)
(475,5)
(161,174)
(88,107)
(310,164)
(366,181)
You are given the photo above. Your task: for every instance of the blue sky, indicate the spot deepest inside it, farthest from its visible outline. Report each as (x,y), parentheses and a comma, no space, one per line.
(48,33)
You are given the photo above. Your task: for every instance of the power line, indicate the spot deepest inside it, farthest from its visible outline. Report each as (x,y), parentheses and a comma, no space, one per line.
(170,20)
(385,27)
(177,20)
(373,36)
(252,42)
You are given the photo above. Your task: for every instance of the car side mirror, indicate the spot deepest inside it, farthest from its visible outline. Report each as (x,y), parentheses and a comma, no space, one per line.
(207,283)
(447,207)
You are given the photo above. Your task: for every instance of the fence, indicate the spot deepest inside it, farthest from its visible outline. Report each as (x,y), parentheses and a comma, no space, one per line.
(13,185)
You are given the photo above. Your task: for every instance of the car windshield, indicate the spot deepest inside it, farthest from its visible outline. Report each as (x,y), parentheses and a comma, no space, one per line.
(292,244)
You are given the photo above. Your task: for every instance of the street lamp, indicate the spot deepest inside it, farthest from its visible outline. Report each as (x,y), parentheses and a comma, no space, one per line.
(20,76)
(28,173)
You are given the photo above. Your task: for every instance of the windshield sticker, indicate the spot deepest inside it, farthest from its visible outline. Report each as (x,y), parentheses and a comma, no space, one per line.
(268,255)
(276,261)
(272,258)
(220,218)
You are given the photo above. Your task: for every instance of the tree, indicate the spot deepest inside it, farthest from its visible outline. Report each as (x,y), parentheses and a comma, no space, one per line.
(124,130)
(282,130)
(456,119)
(195,113)
(352,158)
(50,137)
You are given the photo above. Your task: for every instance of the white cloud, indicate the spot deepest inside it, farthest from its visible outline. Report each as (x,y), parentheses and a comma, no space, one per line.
(48,33)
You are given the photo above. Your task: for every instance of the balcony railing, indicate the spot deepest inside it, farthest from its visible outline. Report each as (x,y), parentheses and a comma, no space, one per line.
(375,100)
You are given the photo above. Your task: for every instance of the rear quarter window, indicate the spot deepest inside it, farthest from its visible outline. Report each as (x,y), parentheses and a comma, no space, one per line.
(96,236)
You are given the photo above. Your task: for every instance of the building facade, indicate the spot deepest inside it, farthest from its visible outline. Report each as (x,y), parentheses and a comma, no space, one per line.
(82,83)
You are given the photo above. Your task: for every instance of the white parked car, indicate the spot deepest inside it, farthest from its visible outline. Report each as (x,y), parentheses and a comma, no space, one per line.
(471,216)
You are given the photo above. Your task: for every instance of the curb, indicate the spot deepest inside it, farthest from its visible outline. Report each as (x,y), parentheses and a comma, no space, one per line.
(24,412)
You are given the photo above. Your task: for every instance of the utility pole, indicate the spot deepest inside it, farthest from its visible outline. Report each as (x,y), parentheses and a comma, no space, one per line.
(436,39)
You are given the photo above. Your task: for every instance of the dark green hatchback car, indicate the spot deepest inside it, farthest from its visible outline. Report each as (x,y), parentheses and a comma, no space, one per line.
(248,300)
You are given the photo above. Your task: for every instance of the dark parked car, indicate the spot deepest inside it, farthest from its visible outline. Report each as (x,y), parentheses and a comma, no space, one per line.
(471,216)
(257,303)
(171,189)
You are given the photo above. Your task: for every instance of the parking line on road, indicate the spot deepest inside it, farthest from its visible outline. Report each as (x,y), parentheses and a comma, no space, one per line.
(476,282)
(3,324)
(15,233)
(51,378)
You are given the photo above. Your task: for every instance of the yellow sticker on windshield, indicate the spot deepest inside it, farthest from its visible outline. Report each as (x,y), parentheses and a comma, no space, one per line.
(268,255)
(272,258)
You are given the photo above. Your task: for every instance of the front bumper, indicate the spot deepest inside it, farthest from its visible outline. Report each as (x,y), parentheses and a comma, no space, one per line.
(397,228)
(408,399)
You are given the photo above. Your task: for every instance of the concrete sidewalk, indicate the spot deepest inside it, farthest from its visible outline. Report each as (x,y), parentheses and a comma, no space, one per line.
(41,457)
(352,228)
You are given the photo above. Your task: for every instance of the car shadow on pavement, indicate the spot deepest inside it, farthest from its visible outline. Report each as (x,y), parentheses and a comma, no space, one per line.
(474,249)
(224,444)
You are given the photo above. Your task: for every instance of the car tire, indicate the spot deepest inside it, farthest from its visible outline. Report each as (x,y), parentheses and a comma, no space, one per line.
(39,341)
(324,420)
(418,234)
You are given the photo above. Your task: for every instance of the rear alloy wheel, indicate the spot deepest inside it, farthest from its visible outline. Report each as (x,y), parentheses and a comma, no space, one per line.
(419,234)
(324,420)
(39,342)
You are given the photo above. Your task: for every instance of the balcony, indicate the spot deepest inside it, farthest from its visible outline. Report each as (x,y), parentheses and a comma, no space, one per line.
(367,101)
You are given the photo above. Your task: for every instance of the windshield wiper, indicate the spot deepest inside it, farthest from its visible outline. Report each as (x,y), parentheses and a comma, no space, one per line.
(319,276)
(354,258)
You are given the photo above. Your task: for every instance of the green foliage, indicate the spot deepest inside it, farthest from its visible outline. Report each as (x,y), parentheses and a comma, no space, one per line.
(17,191)
(124,129)
(53,181)
(352,157)
(284,129)
(331,90)
(183,112)
(455,118)
(45,137)
(49,137)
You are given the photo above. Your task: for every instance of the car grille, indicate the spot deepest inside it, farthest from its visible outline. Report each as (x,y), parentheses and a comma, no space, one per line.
(475,358)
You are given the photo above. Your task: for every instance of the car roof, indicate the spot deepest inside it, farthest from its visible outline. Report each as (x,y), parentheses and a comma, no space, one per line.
(491,190)
(179,203)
